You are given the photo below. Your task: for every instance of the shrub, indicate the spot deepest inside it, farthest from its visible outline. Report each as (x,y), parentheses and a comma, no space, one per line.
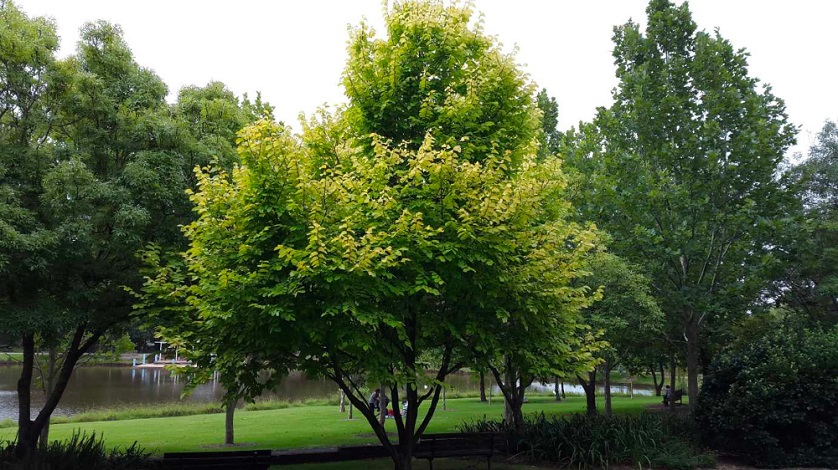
(775,399)
(80,451)
(584,441)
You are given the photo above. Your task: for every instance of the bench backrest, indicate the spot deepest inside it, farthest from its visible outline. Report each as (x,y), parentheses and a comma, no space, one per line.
(450,441)
(245,459)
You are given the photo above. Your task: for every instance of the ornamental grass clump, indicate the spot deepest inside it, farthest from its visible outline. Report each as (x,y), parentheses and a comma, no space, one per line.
(79,451)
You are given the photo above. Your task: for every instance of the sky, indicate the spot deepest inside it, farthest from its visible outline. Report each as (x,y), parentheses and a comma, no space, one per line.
(293,52)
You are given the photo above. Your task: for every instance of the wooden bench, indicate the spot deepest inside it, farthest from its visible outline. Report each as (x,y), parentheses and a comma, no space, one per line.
(328,454)
(677,395)
(243,459)
(456,444)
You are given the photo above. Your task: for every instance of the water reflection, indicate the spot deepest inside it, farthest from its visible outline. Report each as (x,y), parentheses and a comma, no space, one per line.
(105,387)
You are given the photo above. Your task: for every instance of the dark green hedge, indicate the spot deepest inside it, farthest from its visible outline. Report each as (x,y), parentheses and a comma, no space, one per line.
(775,400)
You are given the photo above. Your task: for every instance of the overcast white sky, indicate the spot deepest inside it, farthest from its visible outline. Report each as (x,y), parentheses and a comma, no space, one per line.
(294,51)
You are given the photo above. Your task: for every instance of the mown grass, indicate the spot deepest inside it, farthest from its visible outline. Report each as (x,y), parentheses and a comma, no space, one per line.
(166,410)
(299,426)
(11,356)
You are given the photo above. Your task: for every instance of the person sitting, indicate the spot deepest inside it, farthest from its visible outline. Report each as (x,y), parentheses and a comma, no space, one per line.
(386,402)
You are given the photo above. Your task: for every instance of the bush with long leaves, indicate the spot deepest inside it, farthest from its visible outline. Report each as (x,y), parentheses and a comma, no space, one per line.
(583,441)
(79,451)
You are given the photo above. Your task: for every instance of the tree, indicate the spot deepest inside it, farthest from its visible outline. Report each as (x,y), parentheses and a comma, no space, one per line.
(543,335)
(208,120)
(394,228)
(550,139)
(685,164)
(628,316)
(30,86)
(91,173)
(808,280)
(442,77)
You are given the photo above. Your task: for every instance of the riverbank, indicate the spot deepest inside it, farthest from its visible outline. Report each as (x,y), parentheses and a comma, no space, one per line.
(168,410)
(89,360)
(299,427)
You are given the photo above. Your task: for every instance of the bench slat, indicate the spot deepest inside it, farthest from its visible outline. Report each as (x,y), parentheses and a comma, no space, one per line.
(241,459)
(222,453)
(431,446)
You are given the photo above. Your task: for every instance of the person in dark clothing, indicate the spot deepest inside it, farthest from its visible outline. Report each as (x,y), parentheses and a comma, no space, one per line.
(374,400)
(667,396)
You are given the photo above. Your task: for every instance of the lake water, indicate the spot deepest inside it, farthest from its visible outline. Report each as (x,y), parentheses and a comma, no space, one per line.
(107,387)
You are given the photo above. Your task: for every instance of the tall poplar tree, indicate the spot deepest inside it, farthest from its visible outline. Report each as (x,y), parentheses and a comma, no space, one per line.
(683,168)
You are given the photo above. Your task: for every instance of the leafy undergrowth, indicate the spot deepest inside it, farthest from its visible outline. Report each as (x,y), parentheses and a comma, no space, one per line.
(646,440)
(80,451)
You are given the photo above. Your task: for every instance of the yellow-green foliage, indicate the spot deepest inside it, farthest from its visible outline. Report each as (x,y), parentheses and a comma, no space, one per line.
(415,221)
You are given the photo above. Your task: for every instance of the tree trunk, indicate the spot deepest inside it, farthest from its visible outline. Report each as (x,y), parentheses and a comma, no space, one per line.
(43,439)
(48,378)
(350,411)
(482,386)
(557,391)
(382,405)
(563,395)
(693,352)
(513,413)
(343,402)
(25,440)
(444,402)
(509,398)
(512,386)
(229,412)
(654,377)
(673,371)
(589,386)
(409,428)
(607,367)
(406,461)
(658,385)
(72,355)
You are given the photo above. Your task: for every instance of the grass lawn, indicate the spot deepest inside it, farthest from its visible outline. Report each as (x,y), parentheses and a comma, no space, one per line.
(11,356)
(307,426)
